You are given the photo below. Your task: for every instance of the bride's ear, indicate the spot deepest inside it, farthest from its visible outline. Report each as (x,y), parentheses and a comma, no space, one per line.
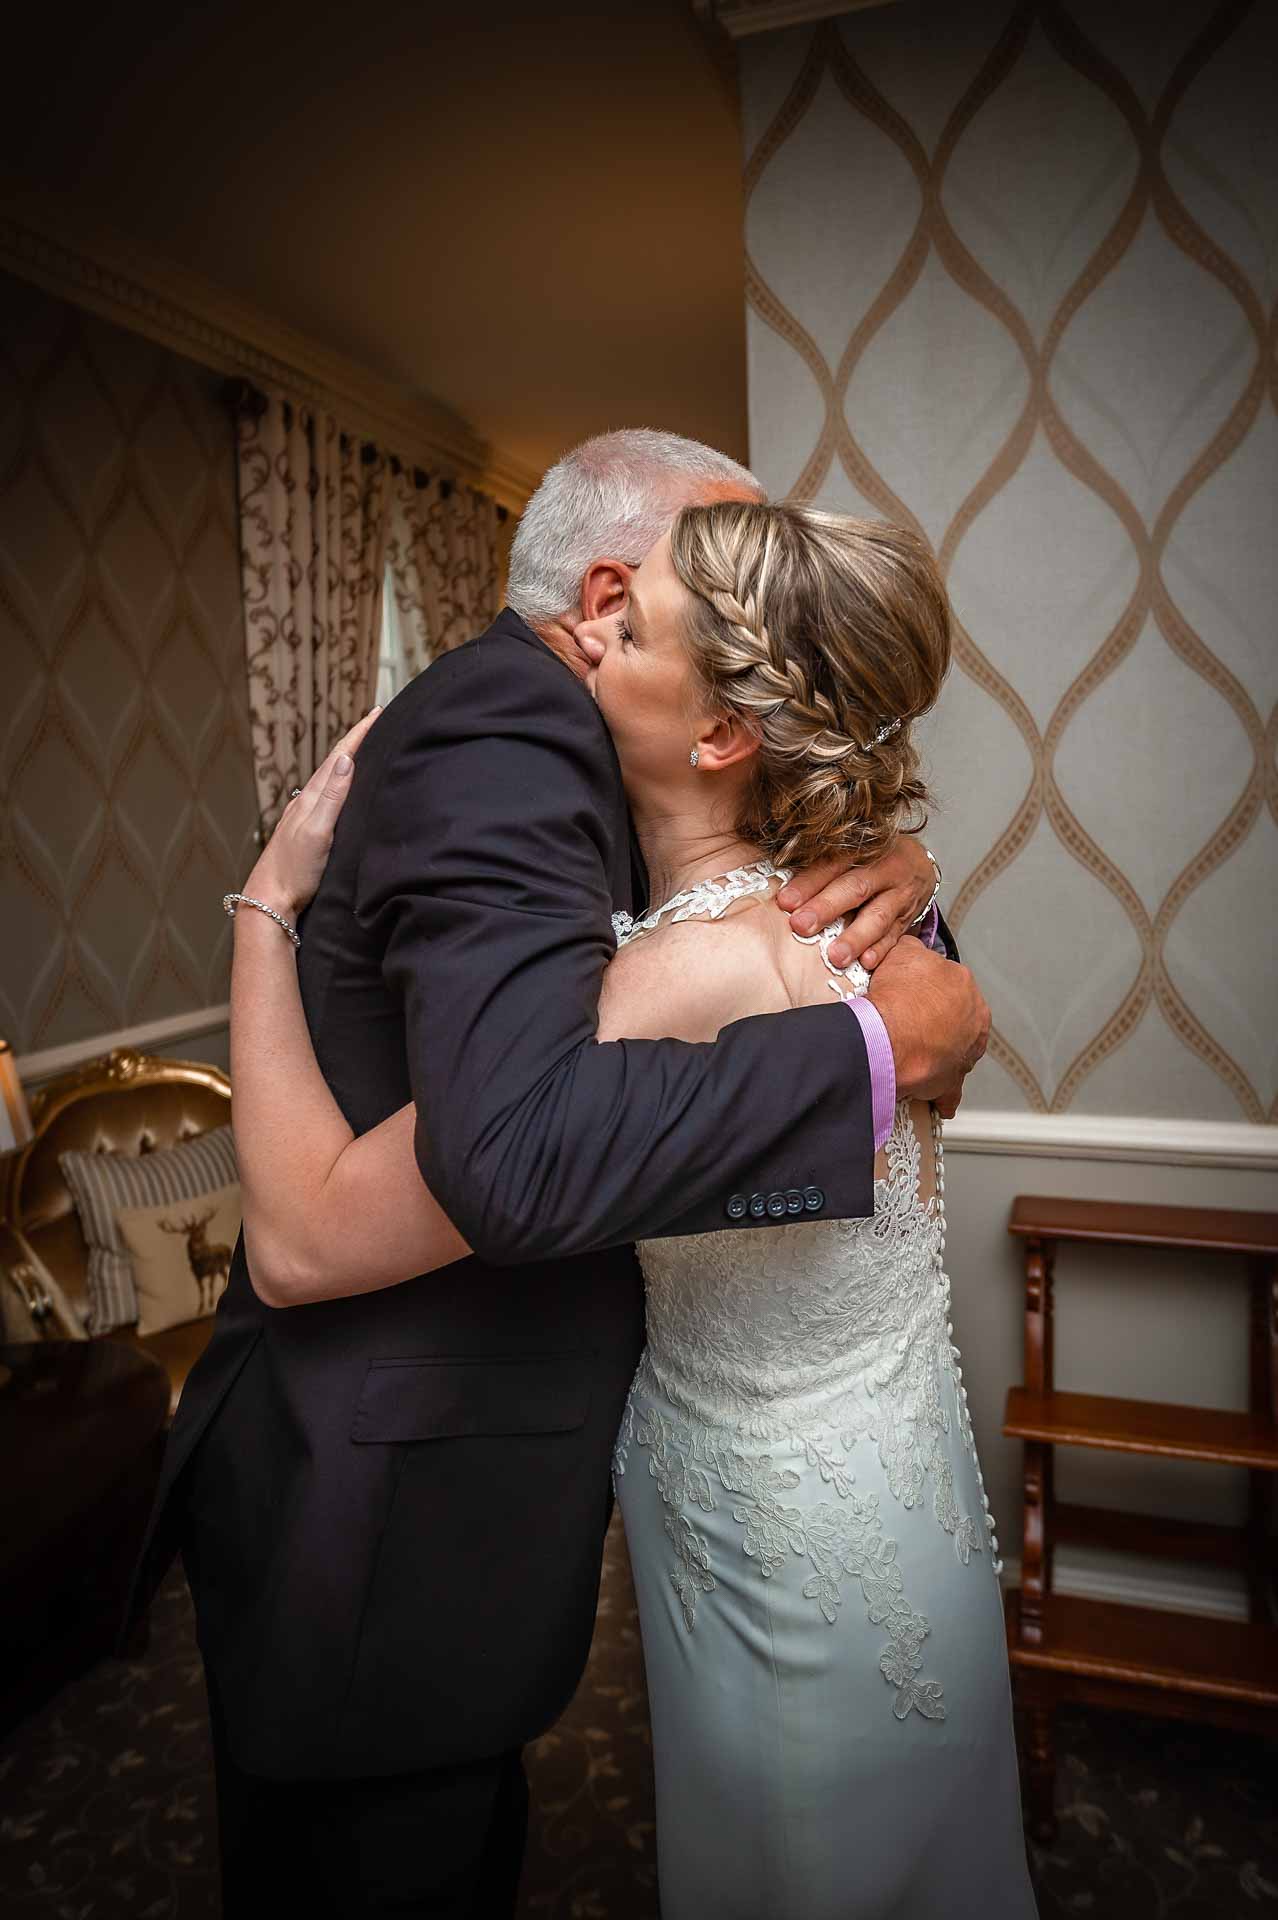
(605,588)
(724,742)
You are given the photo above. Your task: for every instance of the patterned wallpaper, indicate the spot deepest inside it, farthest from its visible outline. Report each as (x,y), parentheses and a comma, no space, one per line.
(126,791)
(1011,279)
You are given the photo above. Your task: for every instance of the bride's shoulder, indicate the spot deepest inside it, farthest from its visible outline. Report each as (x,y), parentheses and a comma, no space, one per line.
(687,980)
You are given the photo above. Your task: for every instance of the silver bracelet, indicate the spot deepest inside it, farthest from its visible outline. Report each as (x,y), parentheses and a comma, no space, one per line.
(935,891)
(230,901)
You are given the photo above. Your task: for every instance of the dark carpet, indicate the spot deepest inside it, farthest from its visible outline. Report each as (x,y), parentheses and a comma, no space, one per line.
(106,1802)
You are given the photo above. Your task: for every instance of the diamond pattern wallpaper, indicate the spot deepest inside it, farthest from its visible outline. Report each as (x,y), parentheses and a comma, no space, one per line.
(126,791)
(1011,279)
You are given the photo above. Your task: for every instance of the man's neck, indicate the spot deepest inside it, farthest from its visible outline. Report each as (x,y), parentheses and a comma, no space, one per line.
(558,636)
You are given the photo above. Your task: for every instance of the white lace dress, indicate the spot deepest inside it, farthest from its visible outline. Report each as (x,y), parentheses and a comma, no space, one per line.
(815,1566)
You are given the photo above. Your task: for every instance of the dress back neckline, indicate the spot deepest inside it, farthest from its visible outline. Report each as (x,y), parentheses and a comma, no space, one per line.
(711,898)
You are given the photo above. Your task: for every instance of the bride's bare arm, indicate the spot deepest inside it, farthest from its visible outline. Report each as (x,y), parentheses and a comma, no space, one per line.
(325,1214)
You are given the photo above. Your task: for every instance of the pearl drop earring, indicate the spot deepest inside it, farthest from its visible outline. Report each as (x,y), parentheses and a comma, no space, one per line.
(693,757)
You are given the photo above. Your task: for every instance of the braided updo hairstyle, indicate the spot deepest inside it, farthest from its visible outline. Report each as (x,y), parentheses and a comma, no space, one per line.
(817,631)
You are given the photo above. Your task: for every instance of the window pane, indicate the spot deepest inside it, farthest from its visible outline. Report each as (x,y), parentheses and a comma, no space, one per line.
(391,668)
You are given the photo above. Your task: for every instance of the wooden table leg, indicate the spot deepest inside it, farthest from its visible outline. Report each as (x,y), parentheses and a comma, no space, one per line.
(1036,1536)
(1033,1543)
(1263,1401)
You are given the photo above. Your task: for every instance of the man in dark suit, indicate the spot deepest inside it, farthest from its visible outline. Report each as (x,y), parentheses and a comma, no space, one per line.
(392,1507)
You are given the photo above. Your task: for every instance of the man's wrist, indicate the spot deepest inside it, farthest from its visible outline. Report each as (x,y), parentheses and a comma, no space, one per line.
(923,919)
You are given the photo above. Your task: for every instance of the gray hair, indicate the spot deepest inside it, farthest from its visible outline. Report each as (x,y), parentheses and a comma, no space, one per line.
(612,497)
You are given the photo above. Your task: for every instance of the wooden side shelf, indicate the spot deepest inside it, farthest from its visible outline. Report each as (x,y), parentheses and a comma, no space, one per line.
(1061,1647)
(1142,1426)
(1144,1646)
(1161,1539)
(1119,1223)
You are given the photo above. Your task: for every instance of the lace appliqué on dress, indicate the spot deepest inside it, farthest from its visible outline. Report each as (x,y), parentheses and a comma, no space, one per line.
(834,1540)
(712,897)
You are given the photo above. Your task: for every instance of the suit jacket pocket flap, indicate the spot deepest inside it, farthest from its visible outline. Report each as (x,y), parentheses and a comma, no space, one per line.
(446,1399)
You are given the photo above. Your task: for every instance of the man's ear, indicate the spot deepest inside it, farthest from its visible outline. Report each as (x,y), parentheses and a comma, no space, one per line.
(605,588)
(725,742)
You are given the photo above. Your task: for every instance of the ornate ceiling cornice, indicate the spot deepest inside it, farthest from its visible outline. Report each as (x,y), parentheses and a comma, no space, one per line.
(743,17)
(96,269)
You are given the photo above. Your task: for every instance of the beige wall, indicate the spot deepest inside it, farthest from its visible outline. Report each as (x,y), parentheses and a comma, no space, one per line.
(126,794)
(1008,279)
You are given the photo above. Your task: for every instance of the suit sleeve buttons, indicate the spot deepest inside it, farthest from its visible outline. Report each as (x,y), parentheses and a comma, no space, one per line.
(813,1199)
(777,1208)
(793,1200)
(737,1207)
(758,1206)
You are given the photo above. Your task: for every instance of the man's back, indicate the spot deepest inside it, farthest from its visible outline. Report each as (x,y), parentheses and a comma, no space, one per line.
(375,1483)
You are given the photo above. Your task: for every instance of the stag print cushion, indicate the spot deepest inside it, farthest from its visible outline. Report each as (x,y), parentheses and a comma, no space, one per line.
(101,1182)
(181,1256)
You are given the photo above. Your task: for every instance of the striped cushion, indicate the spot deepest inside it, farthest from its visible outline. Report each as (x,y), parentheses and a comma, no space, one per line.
(101,1182)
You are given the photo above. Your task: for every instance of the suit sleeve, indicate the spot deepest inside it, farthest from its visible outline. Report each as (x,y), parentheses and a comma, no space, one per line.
(485,878)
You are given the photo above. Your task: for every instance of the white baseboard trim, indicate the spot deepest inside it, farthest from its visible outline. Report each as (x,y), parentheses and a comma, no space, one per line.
(1068,1136)
(1221,1597)
(174,1028)
(1057,1136)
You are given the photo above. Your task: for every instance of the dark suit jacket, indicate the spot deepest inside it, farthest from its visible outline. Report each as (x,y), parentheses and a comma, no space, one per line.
(392,1507)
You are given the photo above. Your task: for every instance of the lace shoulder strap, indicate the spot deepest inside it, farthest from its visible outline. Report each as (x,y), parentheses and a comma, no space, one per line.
(850,983)
(710,897)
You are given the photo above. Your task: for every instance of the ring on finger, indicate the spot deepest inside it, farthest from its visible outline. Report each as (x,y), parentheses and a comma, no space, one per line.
(296,794)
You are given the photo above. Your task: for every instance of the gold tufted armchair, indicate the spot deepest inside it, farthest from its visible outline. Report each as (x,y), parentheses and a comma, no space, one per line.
(125,1103)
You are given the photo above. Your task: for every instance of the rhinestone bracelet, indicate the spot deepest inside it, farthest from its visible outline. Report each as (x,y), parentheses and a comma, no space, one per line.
(230,901)
(935,891)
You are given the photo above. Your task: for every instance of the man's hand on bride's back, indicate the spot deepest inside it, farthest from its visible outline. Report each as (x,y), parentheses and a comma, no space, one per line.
(291,865)
(936,1019)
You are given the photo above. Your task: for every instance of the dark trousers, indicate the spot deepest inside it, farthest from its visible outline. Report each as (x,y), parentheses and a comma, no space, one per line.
(447,1843)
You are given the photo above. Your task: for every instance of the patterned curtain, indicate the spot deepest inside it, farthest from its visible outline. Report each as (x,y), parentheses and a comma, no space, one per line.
(313,530)
(443,555)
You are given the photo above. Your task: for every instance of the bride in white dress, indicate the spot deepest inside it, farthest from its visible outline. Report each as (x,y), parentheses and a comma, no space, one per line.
(815,1566)
(813,1554)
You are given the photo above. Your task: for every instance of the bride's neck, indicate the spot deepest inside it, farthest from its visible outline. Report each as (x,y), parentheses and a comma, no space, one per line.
(680,848)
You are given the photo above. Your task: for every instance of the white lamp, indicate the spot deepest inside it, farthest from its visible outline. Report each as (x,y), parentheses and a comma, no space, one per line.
(15,1121)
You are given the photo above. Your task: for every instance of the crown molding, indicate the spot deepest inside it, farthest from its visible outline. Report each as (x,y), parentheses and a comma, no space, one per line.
(89,265)
(741,18)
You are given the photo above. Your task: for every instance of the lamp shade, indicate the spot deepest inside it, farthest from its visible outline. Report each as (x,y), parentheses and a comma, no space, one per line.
(15,1121)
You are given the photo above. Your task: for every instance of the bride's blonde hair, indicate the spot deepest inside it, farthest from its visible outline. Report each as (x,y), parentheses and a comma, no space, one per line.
(819,632)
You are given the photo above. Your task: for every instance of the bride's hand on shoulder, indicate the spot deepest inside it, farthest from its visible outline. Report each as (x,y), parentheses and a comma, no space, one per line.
(291,865)
(877,903)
